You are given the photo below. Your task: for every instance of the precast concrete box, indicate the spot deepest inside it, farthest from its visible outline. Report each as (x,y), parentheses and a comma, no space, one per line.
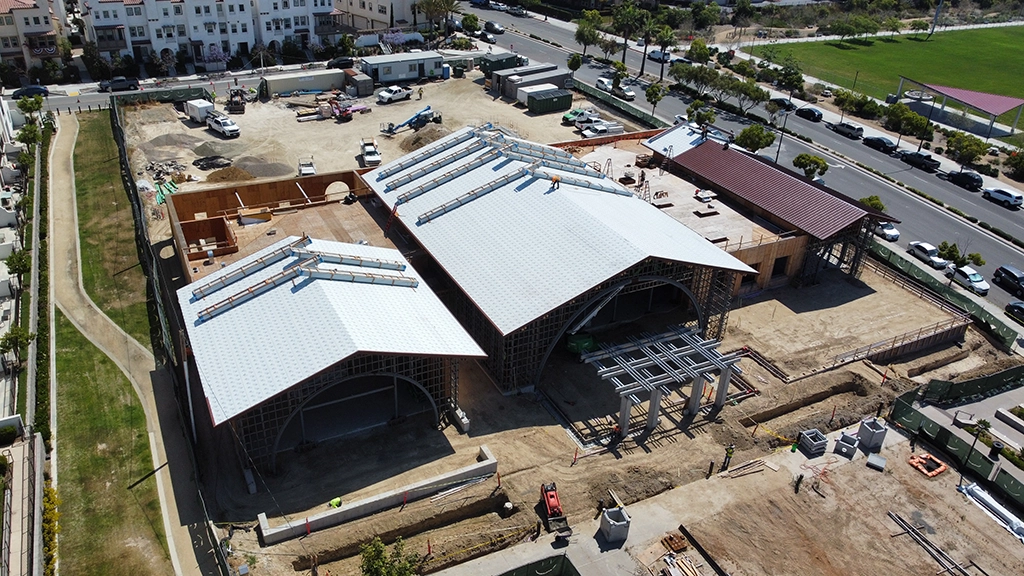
(846,445)
(813,442)
(872,434)
(615,524)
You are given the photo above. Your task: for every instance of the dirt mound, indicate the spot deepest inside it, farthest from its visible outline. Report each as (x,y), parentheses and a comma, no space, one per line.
(261,168)
(175,140)
(230,174)
(632,485)
(210,149)
(426,135)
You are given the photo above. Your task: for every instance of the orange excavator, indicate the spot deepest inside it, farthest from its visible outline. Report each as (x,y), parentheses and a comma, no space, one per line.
(556,519)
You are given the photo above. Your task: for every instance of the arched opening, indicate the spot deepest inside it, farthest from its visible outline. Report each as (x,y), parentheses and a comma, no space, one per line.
(274,47)
(355,404)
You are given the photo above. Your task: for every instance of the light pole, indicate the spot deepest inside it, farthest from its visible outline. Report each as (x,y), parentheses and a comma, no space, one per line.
(842,110)
(927,125)
(782,134)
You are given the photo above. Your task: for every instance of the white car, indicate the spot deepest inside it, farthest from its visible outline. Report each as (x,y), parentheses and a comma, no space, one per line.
(659,56)
(928,254)
(1007,198)
(499,7)
(604,84)
(968,278)
(624,92)
(888,231)
(370,152)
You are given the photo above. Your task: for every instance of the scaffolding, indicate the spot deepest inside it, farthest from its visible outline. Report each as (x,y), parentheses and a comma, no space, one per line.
(259,428)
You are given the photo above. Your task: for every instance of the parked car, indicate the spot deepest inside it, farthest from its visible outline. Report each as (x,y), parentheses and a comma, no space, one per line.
(624,92)
(1010,278)
(517,11)
(680,119)
(394,94)
(494,27)
(784,104)
(586,122)
(684,61)
(928,254)
(370,152)
(920,160)
(33,90)
(605,129)
(1015,310)
(880,143)
(969,180)
(499,7)
(341,62)
(572,116)
(1007,198)
(488,37)
(888,231)
(604,84)
(659,56)
(812,114)
(453,25)
(968,278)
(119,84)
(849,130)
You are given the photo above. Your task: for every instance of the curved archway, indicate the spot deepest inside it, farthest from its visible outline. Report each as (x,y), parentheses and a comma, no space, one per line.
(599,297)
(320,393)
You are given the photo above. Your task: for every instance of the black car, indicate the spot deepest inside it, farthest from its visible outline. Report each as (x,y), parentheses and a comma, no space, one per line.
(341,62)
(1010,278)
(492,26)
(1015,310)
(970,180)
(812,114)
(920,160)
(880,143)
(32,90)
(783,104)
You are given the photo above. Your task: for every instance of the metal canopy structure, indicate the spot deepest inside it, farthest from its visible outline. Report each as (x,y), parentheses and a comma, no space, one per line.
(652,361)
(993,105)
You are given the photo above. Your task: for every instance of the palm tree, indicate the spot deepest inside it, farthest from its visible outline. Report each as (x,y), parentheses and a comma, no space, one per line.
(627,19)
(648,30)
(666,40)
(436,9)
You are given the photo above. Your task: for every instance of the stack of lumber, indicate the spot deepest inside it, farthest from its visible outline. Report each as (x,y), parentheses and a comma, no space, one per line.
(747,468)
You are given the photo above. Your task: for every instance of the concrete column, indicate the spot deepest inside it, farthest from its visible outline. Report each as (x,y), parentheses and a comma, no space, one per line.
(625,411)
(899,91)
(723,387)
(696,391)
(655,409)
(943,108)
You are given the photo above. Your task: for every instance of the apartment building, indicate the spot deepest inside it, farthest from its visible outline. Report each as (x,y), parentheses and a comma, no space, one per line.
(28,32)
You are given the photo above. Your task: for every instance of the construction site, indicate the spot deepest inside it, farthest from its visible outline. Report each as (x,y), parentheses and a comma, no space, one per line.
(615,357)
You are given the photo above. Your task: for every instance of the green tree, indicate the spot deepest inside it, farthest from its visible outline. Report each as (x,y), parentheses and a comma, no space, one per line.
(620,72)
(773,110)
(748,94)
(873,201)
(700,77)
(965,148)
(743,12)
(864,25)
(435,10)
(591,17)
(790,76)
(903,121)
(575,62)
(655,93)
(811,164)
(893,25)
(64,47)
(470,23)
(14,340)
(627,19)
(587,35)
(608,46)
(958,257)
(705,15)
(700,114)
(755,137)
(919,26)
(699,51)
(842,29)
(648,31)
(29,134)
(377,562)
(1016,164)
(19,263)
(666,41)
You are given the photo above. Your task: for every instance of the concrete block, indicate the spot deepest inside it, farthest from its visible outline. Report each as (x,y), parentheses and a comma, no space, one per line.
(1014,422)
(813,442)
(461,420)
(615,524)
(872,434)
(846,445)
(877,462)
(486,464)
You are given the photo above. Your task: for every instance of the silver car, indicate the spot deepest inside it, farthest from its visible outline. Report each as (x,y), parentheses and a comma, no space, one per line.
(968,278)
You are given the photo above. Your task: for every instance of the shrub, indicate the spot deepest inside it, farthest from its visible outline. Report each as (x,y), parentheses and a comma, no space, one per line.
(3,465)
(927,145)
(939,150)
(8,434)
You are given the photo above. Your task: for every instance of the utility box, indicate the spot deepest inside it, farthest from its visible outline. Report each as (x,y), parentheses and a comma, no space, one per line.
(549,101)
(813,443)
(871,434)
(846,445)
(362,83)
(615,524)
(198,110)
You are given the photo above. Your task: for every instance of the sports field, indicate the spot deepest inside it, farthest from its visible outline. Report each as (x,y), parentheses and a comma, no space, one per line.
(985,60)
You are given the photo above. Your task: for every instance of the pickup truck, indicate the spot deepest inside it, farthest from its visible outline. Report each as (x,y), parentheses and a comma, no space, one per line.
(572,116)
(920,160)
(119,84)
(605,129)
(371,154)
(221,123)
(587,121)
(394,94)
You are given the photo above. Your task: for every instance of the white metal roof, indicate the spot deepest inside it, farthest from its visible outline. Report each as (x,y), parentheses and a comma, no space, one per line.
(678,139)
(401,57)
(284,313)
(524,248)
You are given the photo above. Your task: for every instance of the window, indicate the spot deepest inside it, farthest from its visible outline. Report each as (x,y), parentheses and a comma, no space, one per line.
(275,5)
(7,42)
(382,9)
(224,47)
(284,4)
(413,67)
(287,24)
(370,6)
(268,25)
(181,30)
(209,27)
(178,10)
(9,20)
(234,28)
(136,11)
(220,9)
(241,7)
(300,2)
(167,14)
(27,21)
(245,27)
(106,14)
(159,33)
(206,9)
(387,70)
(223,28)
(362,4)
(199,11)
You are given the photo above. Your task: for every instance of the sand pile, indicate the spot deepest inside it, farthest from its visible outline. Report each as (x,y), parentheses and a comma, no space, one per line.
(261,168)
(426,135)
(229,174)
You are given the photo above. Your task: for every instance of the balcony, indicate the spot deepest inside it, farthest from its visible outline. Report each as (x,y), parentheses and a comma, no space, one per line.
(108,44)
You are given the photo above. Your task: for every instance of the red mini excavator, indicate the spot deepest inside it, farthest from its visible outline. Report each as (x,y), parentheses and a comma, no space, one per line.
(556,517)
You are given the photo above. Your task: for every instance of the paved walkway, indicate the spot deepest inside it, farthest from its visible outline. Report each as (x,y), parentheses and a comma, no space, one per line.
(190,550)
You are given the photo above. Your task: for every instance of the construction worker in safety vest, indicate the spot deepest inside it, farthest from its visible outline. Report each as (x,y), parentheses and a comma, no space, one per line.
(335,502)
(728,456)
(555,181)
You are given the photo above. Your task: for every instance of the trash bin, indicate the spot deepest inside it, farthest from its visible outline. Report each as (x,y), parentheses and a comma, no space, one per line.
(459,72)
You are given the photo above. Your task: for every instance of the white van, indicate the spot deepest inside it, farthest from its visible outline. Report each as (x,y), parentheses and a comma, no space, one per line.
(849,130)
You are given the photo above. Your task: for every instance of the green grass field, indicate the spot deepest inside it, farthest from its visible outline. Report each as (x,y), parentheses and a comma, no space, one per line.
(986,60)
(111,272)
(106,528)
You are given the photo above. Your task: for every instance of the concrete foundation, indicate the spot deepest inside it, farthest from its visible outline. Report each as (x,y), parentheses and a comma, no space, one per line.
(486,464)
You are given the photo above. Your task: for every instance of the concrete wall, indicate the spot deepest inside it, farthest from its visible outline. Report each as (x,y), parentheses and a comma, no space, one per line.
(486,464)
(762,256)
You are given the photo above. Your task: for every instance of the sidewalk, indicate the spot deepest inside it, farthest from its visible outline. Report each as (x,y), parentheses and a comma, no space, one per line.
(190,550)
(651,520)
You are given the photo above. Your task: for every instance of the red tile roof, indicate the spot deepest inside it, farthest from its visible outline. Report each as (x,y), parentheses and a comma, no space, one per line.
(789,197)
(992,103)
(7,5)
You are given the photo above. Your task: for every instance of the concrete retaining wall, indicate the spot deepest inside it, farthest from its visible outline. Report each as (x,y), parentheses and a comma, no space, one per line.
(1014,422)
(486,464)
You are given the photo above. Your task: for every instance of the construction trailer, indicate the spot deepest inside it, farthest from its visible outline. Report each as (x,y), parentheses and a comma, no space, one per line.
(404,67)
(490,63)
(499,77)
(559,77)
(305,80)
(525,91)
(549,101)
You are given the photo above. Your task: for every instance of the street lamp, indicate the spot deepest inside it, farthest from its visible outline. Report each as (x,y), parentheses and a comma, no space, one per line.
(927,125)
(782,134)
